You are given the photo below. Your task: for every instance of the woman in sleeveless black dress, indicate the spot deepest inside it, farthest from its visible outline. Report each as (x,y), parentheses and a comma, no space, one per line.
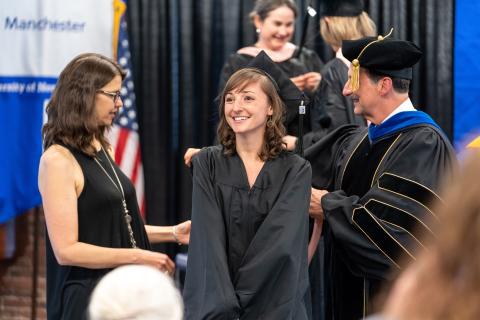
(92,215)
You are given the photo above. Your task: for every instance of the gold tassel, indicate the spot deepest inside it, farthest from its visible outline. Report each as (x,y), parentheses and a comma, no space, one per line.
(355,79)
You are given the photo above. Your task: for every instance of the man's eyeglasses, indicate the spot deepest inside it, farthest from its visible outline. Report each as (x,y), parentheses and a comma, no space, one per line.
(114,95)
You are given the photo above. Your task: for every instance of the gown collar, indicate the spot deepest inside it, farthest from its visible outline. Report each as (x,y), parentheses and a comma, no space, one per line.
(398,122)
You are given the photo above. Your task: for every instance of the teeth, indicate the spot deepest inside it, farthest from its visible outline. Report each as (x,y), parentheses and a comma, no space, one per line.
(240,118)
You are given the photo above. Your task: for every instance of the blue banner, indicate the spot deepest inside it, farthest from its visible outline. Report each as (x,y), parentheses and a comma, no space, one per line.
(39,39)
(21,100)
(466,124)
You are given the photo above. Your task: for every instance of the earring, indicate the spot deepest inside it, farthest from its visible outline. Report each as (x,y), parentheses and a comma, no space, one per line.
(269,122)
(257,30)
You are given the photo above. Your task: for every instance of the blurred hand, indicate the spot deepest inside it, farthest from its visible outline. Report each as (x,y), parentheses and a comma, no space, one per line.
(157,260)
(182,232)
(290,141)
(316,210)
(187,157)
(299,81)
(312,80)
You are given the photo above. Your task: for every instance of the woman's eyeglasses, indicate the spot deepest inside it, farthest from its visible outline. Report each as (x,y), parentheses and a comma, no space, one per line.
(114,95)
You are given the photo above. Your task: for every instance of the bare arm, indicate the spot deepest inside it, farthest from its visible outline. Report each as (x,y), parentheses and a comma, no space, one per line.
(60,182)
(179,233)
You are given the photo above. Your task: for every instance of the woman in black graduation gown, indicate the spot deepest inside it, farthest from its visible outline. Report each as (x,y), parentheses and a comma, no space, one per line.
(247,256)
(274,22)
(91,211)
(341,20)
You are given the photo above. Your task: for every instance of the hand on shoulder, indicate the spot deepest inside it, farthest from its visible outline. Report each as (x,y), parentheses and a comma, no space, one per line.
(187,157)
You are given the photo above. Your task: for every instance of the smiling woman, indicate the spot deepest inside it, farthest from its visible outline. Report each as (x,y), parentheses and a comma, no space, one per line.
(251,114)
(249,208)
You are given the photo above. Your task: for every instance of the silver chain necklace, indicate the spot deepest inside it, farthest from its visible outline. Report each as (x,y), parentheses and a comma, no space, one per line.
(127,216)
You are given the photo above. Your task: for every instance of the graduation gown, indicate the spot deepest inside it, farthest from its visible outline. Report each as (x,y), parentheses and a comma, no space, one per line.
(247,256)
(378,194)
(307,61)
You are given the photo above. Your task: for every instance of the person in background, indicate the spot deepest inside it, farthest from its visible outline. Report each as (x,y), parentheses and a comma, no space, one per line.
(247,257)
(274,21)
(444,281)
(341,20)
(136,292)
(91,210)
(373,186)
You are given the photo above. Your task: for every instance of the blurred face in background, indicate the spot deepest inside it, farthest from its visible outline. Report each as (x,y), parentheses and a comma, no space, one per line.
(276,29)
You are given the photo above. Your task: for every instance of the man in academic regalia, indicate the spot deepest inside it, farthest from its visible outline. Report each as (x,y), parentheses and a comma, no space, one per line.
(374,186)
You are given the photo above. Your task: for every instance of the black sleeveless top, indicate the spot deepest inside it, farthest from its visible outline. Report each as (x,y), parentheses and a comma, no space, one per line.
(100,222)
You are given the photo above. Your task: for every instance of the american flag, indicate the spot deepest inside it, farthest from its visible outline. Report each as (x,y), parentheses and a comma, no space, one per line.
(124,134)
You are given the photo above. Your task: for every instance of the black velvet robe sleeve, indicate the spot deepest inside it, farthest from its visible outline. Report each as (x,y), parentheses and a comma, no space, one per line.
(374,230)
(325,151)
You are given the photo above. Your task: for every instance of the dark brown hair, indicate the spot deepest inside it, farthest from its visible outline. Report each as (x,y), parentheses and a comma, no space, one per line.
(263,7)
(272,142)
(71,110)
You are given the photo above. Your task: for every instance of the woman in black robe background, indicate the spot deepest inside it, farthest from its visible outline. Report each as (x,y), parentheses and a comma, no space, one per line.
(341,20)
(274,22)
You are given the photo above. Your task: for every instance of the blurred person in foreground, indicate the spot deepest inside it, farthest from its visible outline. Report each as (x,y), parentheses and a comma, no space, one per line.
(90,206)
(444,281)
(136,292)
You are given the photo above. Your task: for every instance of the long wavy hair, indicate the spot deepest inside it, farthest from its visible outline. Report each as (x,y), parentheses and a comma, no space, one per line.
(71,110)
(338,29)
(274,131)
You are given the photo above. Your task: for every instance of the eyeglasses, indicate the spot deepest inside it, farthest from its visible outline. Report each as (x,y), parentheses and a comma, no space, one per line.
(114,95)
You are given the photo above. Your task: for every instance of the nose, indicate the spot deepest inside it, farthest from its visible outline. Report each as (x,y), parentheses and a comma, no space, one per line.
(283,31)
(347,89)
(237,105)
(119,103)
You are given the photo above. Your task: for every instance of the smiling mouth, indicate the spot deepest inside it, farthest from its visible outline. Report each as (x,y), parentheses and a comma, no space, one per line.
(240,118)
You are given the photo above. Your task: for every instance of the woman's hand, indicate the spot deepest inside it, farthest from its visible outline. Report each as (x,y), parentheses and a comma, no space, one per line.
(157,260)
(187,157)
(181,232)
(299,81)
(290,141)
(312,80)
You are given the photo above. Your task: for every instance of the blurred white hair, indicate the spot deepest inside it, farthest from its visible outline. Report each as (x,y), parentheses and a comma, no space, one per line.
(136,292)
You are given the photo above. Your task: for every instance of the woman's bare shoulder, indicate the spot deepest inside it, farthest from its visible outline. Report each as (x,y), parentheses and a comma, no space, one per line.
(57,157)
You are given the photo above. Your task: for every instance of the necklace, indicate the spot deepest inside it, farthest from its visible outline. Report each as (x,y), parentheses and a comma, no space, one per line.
(127,216)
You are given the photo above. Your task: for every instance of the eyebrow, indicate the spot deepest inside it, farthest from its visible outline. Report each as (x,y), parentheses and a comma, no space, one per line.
(243,91)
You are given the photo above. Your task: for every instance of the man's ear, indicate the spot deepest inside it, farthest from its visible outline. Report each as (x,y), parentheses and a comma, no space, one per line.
(385,85)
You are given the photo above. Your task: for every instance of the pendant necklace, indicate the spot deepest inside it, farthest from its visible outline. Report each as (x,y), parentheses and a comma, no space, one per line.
(127,216)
